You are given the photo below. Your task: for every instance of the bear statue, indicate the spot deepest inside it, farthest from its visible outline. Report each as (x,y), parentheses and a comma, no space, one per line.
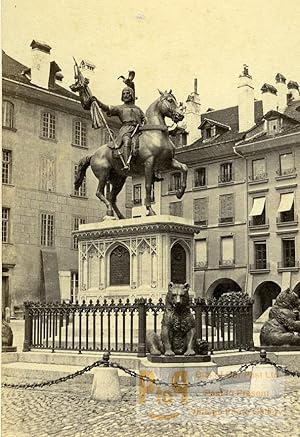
(178,332)
(283,326)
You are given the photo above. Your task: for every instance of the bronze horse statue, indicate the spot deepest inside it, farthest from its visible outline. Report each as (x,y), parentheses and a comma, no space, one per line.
(156,153)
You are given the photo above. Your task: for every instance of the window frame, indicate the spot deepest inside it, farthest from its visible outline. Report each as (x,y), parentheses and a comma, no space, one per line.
(225,178)
(75,226)
(7,165)
(283,254)
(44,236)
(260,263)
(175,181)
(82,192)
(83,134)
(46,131)
(197,178)
(11,115)
(6,225)
(137,200)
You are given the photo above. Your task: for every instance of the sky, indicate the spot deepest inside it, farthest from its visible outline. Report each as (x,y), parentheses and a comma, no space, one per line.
(167,43)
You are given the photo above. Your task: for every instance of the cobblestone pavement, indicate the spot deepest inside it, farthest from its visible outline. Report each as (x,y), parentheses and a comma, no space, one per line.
(67,411)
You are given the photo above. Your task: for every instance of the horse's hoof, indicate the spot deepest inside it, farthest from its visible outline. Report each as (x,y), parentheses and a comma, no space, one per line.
(179,193)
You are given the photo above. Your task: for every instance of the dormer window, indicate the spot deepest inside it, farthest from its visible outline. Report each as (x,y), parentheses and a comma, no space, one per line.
(274,126)
(210,132)
(212,128)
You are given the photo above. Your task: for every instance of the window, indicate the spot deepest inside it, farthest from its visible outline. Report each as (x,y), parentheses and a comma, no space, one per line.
(47,230)
(175,208)
(81,192)
(210,132)
(274,126)
(175,181)
(260,254)
(79,134)
(48,126)
(257,213)
(74,286)
(5,225)
(226,208)
(286,162)
(7,114)
(226,172)
(200,177)
(258,170)
(77,221)
(47,174)
(137,194)
(6,166)
(201,253)
(288,252)
(200,209)
(286,208)
(227,251)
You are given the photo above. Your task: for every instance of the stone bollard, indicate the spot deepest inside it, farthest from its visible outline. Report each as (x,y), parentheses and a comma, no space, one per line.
(264,380)
(106,385)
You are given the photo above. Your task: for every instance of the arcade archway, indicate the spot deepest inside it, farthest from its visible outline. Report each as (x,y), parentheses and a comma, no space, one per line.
(264,296)
(221,286)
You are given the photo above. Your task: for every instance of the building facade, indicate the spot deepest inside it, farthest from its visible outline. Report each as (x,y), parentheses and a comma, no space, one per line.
(45,132)
(243,190)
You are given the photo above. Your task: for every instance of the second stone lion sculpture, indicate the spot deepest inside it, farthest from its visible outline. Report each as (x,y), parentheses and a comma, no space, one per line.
(283,326)
(178,332)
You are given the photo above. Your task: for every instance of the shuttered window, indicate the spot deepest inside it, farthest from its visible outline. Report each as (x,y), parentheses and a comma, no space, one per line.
(200,207)
(226,208)
(175,208)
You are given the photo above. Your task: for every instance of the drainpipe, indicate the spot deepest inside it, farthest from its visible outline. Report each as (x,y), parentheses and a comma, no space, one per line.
(247,215)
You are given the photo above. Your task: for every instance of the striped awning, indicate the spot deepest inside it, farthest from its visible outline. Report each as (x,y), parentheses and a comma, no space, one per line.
(258,206)
(286,202)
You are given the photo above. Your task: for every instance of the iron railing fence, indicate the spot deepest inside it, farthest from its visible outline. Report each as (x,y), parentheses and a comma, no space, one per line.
(121,326)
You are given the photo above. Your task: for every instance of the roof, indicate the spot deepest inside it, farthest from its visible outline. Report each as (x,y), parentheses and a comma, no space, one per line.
(12,69)
(214,122)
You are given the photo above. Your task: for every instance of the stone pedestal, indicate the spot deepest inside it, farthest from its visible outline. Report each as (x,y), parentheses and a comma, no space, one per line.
(106,386)
(135,258)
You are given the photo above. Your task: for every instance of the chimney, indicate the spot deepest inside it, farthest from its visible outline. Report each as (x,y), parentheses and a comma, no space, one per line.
(282,92)
(192,115)
(293,88)
(269,98)
(40,63)
(245,100)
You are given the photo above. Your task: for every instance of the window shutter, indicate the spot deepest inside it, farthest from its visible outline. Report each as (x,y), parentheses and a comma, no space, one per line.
(175,208)
(200,209)
(227,206)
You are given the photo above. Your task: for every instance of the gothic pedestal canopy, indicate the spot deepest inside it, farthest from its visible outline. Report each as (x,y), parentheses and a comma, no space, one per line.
(130,258)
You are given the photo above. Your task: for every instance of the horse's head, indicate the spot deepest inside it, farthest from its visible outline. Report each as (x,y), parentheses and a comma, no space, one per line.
(169,106)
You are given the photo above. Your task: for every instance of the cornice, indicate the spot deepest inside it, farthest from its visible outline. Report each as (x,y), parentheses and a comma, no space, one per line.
(95,234)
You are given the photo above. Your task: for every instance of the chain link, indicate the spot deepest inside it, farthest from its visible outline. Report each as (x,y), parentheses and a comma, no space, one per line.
(145,378)
(55,381)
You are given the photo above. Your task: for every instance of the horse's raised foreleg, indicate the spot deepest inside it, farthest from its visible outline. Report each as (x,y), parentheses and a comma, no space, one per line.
(100,195)
(149,164)
(176,165)
(117,185)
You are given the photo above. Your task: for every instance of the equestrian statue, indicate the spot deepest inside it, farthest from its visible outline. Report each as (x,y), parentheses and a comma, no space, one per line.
(141,147)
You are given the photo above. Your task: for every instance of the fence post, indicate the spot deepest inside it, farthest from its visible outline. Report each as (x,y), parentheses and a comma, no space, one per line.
(27,328)
(250,327)
(142,327)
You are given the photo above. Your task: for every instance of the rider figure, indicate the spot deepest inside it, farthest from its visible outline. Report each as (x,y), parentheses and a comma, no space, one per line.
(131,117)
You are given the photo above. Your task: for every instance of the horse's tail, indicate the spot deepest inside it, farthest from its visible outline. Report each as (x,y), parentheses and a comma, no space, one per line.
(81,170)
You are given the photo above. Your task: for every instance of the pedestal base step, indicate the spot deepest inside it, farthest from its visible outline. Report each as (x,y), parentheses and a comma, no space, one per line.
(178,359)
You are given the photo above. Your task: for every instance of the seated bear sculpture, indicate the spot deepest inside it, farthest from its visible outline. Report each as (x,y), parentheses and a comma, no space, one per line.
(178,332)
(283,327)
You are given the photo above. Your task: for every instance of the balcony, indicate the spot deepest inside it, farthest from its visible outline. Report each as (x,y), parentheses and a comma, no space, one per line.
(260,266)
(226,263)
(289,264)
(258,222)
(225,179)
(258,178)
(199,183)
(225,221)
(201,222)
(201,265)
(286,172)
(287,219)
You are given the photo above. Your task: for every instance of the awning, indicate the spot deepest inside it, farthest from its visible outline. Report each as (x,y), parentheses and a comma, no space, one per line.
(258,206)
(286,202)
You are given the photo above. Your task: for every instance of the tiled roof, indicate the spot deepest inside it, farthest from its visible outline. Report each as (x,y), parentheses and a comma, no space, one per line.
(13,69)
(293,110)
(264,135)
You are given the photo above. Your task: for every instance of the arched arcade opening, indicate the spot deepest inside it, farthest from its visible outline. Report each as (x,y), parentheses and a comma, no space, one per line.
(264,295)
(221,286)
